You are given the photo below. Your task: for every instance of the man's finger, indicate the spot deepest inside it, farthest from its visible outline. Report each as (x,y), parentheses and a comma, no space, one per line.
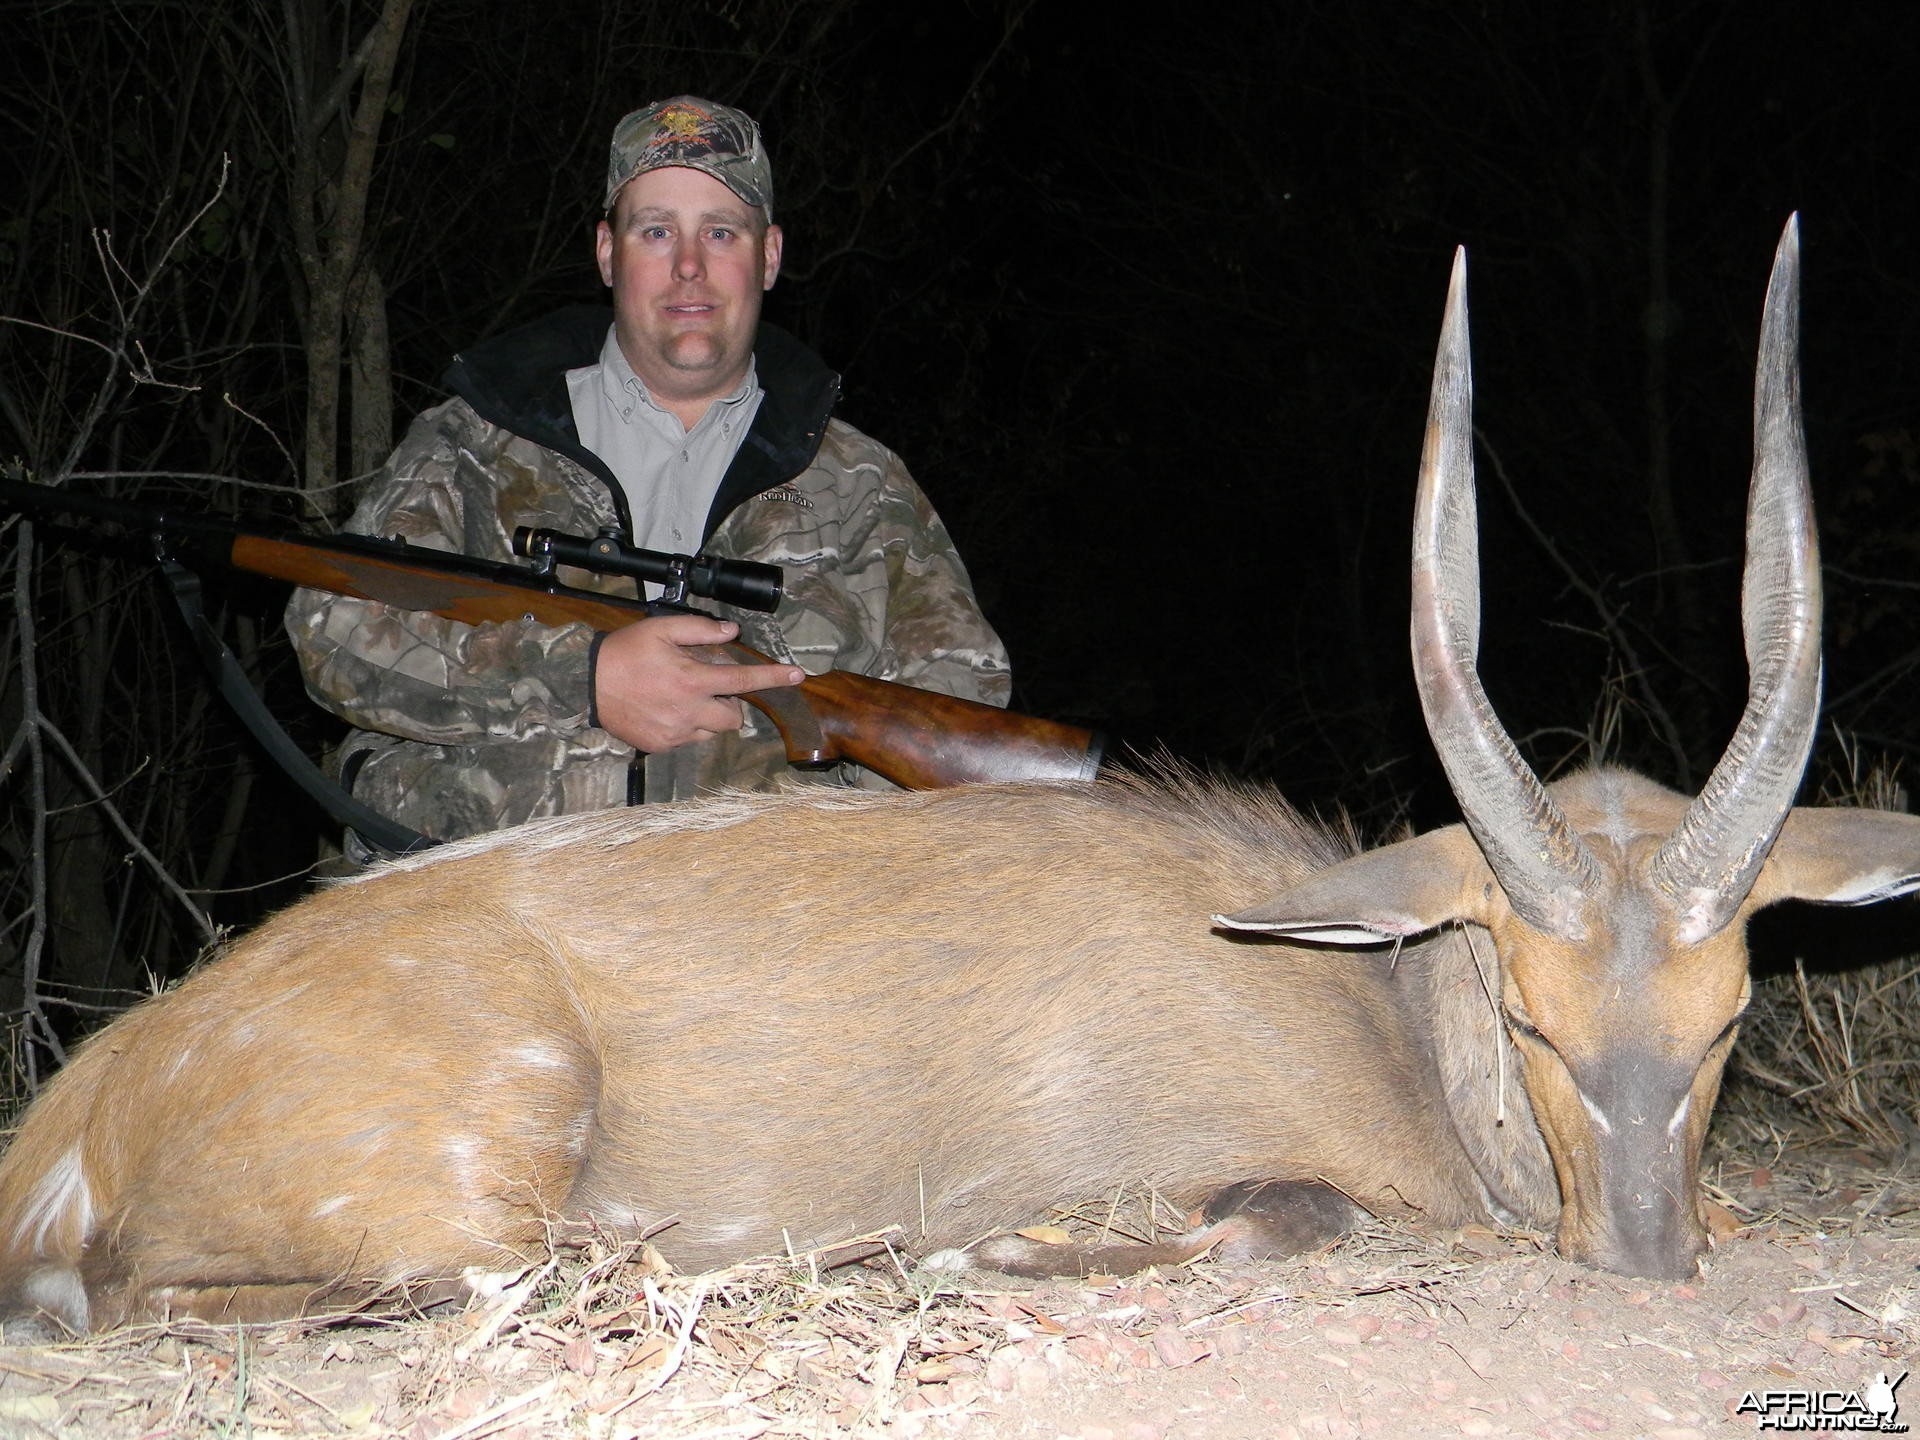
(693,629)
(744,679)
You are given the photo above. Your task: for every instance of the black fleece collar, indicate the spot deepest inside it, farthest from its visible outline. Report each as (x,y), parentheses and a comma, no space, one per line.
(519,381)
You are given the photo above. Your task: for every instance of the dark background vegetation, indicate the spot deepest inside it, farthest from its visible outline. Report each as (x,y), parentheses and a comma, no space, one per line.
(1148,305)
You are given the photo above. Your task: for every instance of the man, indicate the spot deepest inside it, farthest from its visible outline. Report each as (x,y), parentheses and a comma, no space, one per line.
(687,425)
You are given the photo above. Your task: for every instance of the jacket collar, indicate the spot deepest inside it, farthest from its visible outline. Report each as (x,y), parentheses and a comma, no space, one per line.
(519,381)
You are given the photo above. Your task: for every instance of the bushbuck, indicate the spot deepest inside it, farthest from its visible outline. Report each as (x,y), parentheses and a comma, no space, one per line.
(774,1022)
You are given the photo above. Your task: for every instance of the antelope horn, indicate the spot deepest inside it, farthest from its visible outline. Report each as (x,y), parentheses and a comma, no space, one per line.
(1544,867)
(1709,863)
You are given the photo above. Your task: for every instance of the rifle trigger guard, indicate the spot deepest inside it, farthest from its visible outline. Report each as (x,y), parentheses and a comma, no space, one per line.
(787,708)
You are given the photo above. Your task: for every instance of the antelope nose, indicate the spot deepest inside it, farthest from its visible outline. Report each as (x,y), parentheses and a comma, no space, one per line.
(1663,1243)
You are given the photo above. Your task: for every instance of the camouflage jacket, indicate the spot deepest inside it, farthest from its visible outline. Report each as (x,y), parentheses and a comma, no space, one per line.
(466,728)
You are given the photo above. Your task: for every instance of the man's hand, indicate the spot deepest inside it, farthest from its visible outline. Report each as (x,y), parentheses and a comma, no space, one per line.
(650,692)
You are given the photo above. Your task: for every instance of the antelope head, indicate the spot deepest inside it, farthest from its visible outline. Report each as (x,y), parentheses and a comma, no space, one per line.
(1617,908)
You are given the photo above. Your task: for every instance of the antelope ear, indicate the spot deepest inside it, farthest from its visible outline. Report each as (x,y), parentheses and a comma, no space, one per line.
(1842,857)
(1385,894)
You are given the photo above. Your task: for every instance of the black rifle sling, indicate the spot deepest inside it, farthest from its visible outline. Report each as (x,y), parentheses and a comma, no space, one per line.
(371,826)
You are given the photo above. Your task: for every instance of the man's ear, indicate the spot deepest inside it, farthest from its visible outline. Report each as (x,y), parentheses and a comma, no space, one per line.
(771,245)
(603,251)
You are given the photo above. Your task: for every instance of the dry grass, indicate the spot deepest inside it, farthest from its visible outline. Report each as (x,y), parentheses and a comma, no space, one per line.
(608,1343)
(1832,1058)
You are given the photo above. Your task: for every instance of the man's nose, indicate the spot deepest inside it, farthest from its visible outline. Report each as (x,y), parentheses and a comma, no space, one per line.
(688,263)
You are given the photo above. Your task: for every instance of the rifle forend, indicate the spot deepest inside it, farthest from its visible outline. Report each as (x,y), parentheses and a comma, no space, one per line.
(916,738)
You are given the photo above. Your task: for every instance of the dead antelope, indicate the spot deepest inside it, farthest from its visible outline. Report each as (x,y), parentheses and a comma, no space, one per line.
(775,1022)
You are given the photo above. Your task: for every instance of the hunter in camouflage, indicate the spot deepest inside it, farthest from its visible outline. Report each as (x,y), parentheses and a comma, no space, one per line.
(462,729)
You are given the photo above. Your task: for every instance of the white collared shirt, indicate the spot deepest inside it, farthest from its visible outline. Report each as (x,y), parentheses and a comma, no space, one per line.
(670,473)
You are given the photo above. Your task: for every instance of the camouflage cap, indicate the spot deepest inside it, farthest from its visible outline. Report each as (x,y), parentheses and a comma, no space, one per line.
(696,135)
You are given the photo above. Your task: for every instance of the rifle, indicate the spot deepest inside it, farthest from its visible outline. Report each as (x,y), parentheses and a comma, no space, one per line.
(916,738)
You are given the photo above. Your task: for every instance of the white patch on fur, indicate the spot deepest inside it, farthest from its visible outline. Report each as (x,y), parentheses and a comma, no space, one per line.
(327,1207)
(62,1197)
(1598,1116)
(580,1130)
(1499,1212)
(464,1152)
(1680,1115)
(368,1137)
(1882,884)
(1610,794)
(735,1233)
(488,1284)
(623,1219)
(948,1262)
(1698,917)
(618,1216)
(58,1291)
(540,1057)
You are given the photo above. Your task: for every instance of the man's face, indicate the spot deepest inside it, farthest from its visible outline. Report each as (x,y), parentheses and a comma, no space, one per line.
(688,261)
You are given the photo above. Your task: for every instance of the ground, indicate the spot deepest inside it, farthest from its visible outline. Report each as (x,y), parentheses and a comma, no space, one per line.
(1391,1333)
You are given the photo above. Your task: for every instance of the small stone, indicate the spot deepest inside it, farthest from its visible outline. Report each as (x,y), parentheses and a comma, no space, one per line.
(1176,1350)
(1231,1340)
(1093,1350)
(1032,1378)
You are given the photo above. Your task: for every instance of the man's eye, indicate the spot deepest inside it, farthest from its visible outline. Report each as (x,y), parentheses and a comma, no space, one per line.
(655,232)
(720,233)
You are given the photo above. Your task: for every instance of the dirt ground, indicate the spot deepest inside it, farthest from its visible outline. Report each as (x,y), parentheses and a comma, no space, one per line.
(1389,1334)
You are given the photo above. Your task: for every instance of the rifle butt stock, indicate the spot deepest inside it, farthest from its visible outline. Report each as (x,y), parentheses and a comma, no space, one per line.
(923,740)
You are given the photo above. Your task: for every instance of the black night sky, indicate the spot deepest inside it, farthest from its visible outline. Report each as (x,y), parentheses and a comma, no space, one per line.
(1148,305)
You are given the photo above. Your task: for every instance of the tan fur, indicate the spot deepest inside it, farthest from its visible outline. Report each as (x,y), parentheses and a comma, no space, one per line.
(795,1028)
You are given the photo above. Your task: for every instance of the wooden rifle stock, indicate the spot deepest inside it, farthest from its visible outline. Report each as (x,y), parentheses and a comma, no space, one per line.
(914,738)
